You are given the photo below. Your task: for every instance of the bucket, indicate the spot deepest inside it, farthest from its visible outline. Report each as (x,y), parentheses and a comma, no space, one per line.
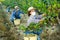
(30,37)
(17,22)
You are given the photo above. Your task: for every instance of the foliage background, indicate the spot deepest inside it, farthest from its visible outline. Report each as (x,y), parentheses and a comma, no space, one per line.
(39,4)
(50,7)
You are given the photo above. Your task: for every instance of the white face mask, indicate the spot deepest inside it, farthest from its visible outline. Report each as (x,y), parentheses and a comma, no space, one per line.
(33,13)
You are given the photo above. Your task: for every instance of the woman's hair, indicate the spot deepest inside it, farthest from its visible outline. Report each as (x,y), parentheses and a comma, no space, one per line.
(35,11)
(29,13)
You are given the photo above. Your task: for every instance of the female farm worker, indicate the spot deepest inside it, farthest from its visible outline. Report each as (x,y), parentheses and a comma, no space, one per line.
(33,17)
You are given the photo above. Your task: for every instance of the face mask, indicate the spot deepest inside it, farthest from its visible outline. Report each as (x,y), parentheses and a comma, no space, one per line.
(33,13)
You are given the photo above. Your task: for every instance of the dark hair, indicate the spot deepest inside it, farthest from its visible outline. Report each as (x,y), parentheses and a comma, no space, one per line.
(29,13)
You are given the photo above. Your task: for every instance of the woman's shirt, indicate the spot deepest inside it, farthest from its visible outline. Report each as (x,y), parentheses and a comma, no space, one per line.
(34,19)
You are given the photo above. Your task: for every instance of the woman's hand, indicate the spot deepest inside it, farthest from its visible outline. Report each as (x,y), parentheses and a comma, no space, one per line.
(41,21)
(44,14)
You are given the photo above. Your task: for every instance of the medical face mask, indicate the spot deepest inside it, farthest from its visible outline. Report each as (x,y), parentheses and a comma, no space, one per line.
(33,13)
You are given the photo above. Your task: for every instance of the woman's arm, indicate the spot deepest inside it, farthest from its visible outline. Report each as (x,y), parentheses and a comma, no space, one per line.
(40,16)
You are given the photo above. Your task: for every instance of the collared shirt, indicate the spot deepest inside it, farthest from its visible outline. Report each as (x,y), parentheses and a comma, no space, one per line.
(34,19)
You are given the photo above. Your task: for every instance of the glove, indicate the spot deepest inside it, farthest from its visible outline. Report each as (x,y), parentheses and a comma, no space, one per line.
(43,14)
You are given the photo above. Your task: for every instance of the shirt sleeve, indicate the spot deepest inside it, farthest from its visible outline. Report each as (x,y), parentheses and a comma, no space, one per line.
(12,15)
(39,16)
(29,21)
(21,12)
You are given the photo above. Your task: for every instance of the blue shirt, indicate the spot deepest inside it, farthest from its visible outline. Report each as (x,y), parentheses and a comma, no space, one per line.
(16,14)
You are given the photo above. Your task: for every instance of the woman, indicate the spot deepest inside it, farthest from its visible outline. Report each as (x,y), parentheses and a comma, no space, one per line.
(33,17)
